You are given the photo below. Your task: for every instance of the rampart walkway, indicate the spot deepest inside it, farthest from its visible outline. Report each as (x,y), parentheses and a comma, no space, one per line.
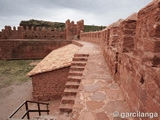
(99,96)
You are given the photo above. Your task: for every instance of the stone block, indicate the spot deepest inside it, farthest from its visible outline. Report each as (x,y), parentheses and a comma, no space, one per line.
(152,106)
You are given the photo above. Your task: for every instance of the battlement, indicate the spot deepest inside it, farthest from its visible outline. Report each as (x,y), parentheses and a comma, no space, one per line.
(131,48)
(25,43)
(68,33)
(73,29)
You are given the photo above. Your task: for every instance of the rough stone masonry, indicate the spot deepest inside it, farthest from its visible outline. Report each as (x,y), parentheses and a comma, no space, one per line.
(131,48)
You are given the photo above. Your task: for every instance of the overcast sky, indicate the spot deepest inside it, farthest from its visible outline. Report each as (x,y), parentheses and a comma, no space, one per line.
(94,12)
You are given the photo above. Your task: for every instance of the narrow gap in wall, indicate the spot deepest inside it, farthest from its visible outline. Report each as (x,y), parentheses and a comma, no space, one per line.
(117,56)
(45,36)
(36,36)
(78,37)
(116,66)
(142,80)
(116,71)
(108,35)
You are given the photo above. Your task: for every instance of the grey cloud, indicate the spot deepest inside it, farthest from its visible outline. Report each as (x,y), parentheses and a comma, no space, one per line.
(103,12)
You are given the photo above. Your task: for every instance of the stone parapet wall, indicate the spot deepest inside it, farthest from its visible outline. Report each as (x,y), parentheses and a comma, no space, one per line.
(131,48)
(21,33)
(70,31)
(28,49)
(73,29)
(36,43)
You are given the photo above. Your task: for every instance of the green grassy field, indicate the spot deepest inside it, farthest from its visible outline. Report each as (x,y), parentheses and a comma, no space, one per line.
(14,71)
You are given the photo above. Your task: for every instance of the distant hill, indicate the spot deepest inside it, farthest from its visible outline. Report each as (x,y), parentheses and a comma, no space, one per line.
(41,23)
(88,28)
(52,25)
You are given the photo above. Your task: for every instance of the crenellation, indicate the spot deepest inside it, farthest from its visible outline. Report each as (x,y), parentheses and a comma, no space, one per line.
(13,43)
(14,28)
(68,33)
(55,29)
(32,28)
(27,28)
(20,28)
(131,48)
(43,29)
(49,29)
(37,29)
(73,30)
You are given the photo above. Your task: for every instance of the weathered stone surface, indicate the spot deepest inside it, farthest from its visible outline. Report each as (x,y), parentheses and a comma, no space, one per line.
(27,49)
(94,105)
(88,116)
(131,49)
(102,116)
(115,106)
(114,94)
(85,95)
(91,87)
(46,88)
(114,86)
(98,96)
(78,106)
(45,117)
(94,97)
(59,58)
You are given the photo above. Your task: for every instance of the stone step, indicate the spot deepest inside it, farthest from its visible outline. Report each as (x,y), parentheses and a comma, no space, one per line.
(71,84)
(66,108)
(77,43)
(77,68)
(74,78)
(80,59)
(81,55)
(68,99)
(70,91)
(78,63)
(75,73)
(43,117)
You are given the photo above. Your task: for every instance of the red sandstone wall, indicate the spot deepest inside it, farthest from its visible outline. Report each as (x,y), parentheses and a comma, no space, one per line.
(16,49)
(49,85)
(73,30)
(132,51)
(11,48)
(70,32)
(21,33)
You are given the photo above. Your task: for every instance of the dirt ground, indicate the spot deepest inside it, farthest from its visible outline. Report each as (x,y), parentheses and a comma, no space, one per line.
(14,95)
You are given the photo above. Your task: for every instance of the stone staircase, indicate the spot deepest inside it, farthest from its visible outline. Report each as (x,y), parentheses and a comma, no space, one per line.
(74,78)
